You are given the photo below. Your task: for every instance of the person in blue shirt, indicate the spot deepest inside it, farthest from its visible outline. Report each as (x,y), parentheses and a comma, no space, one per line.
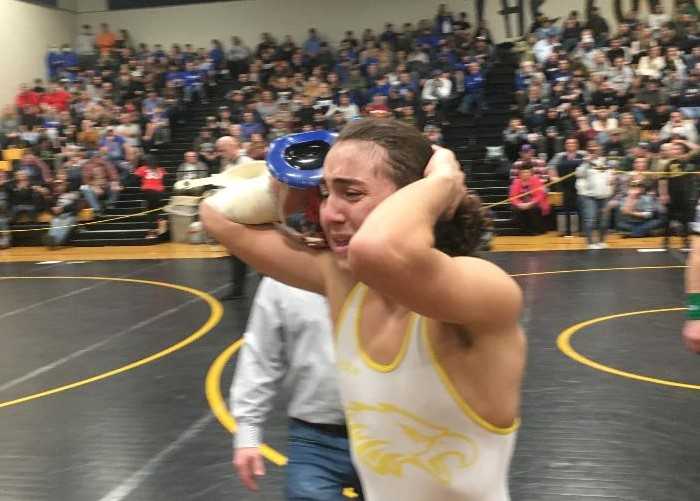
(193,82)
(217,55)
(114,145)
(473,90)
(54,63)
(312,46)
(250,126)
(70,58)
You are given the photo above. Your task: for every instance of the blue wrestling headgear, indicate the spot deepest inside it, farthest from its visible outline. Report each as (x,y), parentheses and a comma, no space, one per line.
(297,159)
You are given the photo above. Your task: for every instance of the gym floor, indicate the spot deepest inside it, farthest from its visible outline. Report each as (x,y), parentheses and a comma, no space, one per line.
(103,394)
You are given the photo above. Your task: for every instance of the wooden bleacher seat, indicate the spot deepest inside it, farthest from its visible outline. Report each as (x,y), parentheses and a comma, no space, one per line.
(12,154)
(5,166)
(556,198)
(45,217)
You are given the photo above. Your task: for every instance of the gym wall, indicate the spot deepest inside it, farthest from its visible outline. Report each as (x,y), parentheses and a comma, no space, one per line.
(27,31)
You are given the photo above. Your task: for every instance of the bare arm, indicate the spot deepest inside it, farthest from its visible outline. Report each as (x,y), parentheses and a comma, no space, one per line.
(393,254)
(268,251)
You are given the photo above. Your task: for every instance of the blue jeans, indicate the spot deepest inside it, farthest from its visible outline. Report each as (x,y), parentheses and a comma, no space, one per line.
(319,466)
(639,228)
(594,215)
(471,100)
(4,237)
(94,201)
(61,226)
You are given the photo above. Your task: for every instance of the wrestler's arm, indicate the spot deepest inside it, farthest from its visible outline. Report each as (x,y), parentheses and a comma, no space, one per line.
(393,253)
(268,251)
(691,330)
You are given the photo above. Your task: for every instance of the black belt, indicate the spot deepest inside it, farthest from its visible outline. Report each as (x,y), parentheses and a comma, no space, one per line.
(338,430)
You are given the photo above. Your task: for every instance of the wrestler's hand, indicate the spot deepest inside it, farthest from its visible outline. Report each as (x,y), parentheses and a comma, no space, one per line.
(691,335)
(443,163)
(249,465)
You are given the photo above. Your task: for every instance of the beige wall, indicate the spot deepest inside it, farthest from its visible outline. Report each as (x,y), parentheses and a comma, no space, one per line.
(28,30)
(557,8)
(199,23)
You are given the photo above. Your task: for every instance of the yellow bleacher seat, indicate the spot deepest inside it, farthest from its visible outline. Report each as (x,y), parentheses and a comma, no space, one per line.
(5,166)
(556,198)
(12,154)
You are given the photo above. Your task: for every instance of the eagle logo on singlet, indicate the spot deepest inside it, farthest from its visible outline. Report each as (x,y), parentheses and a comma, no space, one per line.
(408,440)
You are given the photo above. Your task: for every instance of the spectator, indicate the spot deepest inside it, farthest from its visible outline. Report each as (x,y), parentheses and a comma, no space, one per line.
(594,185)
(564,165)
(25,198)
(640,212)
(105,40)
(678,127)
(64,210)
(192,168)
(473,91)
(529,200)
(100,186)
(152,177)
(85,47)
(5,210)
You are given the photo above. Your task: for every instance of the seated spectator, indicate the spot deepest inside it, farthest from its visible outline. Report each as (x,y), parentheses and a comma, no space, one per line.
(529,201)
(640,212)
(652,64)
(250,126)
(257,147)
(5,211)
(678,126)
(378,106)
(614,147)
(192,168)
(349,109)
(535,165)
(25,199)
(100,186)
(630,134)
(64,209)
(114,145)
(152,186)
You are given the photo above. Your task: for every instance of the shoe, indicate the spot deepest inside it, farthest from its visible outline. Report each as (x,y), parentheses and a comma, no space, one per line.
(602,245)
(592,247)
(568,236)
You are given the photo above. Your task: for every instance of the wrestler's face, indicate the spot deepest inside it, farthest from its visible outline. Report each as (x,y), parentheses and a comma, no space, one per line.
(354,183)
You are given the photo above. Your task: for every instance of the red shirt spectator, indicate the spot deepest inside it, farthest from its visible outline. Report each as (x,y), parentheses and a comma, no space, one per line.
(151,178)
(58,99)
(530,190)
(27,98)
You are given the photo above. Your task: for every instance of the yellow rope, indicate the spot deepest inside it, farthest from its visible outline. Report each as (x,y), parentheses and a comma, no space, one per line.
(100,221)
(483,207)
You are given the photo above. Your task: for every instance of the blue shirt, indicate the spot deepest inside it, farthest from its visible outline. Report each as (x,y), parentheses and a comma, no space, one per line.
(473,82)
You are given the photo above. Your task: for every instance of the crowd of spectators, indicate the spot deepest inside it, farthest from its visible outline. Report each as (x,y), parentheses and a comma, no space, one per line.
(108,100)
(81,135)
(613,113)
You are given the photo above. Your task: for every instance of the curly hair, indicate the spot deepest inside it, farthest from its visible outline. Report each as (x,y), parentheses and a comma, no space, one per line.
(407,154)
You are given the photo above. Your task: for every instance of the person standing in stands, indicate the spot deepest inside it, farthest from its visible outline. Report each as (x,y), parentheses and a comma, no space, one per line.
(152,186)
(289,338)
(229,149)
